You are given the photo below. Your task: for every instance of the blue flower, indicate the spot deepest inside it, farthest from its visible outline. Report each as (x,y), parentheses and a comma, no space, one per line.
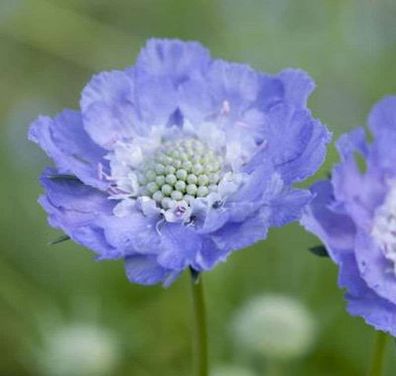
(180,160)
(354,214)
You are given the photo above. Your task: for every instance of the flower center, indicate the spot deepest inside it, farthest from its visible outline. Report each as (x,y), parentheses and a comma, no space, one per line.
(384,228)
(183,169)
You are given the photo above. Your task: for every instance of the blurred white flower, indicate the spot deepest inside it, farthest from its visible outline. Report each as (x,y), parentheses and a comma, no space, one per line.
(275,326)
(231,371)
(78,350)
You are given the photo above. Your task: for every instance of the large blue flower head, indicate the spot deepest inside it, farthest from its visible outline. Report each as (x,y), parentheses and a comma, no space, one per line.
(354,214)
(179,160)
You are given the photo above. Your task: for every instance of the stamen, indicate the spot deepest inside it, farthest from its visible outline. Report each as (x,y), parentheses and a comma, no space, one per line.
(225,109)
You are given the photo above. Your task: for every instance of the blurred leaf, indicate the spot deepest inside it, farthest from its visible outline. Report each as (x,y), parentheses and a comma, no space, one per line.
(62,177)
(319,250)
(61,239)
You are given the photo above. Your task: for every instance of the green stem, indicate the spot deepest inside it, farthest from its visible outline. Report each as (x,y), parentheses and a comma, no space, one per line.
(377,360)
(200,332)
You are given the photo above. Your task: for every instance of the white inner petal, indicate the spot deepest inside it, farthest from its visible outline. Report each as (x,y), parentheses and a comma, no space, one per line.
(169,174)
(384,227)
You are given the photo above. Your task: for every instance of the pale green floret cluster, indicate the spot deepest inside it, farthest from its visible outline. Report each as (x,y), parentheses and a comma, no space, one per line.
(184,169)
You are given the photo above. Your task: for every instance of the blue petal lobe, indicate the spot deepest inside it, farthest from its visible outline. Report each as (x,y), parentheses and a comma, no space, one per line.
(298,86)
(145,270)
(172,58)
(64,140)
(374,268)
(179,246)
(76,209)
(108,108)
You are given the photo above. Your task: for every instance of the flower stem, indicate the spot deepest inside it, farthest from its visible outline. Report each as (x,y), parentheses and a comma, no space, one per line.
(200,332)
(377,360)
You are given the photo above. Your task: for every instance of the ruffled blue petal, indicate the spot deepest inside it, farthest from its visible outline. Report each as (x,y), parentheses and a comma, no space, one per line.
(162,68)
(76,209)
(336,230)
(361,300)
(298,86)
(288,206)
(235,84)
(108,88)
(174,59)
(291,86)
(239,235)
(305,139)
(352,142)
(271,92)
(382,117)
(196,101)
(145,270)
(233,211)
(311,158)
(382,122)
(228,89)
(209,255)
(86,215)
(261,187)
(122,104)
(374,268)
(346,177)
(156,99)
(349,277)
(293,141)
(262,181)
(377,312)
(179,246)
(133,234)
(359,193)
(65,141)
(108,108)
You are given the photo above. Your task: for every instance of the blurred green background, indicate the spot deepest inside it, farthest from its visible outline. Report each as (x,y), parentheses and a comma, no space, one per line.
(48,51)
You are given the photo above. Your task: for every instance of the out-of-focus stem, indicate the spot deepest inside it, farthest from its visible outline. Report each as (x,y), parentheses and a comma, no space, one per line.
(377,360)
(200,332)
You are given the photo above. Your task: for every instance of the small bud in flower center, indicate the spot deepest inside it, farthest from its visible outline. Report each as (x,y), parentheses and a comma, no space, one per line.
(180,170)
